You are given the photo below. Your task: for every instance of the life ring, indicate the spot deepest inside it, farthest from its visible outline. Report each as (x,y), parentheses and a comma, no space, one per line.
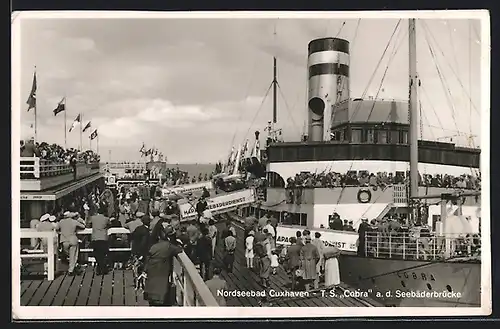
(364,195)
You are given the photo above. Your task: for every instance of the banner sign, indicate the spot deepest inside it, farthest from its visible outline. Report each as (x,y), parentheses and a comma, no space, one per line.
(39,197)
(188,188)
(345,241)
(219,203)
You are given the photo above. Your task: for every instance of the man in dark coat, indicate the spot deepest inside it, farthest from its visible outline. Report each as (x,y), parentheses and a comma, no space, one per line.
(204,250)
(335,222)
(292,260)
(201,206)
(362,229)
(158,268)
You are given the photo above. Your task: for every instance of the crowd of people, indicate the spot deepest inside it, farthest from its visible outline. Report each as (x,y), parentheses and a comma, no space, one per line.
(56,153)
(380,179)
(307,260)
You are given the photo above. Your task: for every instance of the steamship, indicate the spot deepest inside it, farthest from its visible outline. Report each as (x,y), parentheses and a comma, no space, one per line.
(367,135)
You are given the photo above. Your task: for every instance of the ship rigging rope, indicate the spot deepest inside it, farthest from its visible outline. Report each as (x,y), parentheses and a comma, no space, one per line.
(444,84)
(246,99)
(356,110)
(364,94)
(447,22)
(258,111)
(289,111)
(429,33)
(391,58)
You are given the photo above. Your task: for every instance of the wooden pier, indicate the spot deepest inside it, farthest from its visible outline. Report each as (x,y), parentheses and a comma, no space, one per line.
(117,287)
(87,289)
(245,279)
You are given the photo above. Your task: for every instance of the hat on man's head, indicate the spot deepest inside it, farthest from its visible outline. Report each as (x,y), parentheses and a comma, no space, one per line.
(44,217)
(52,218)
(139,214)
(67,214)
(146,220)
(74,214)
(364,219)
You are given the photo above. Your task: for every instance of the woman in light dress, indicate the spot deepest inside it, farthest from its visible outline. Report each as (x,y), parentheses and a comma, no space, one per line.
(212,233)
(332,273)
(249,255)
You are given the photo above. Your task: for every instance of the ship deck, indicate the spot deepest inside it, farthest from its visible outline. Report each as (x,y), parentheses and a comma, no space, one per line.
(246,280)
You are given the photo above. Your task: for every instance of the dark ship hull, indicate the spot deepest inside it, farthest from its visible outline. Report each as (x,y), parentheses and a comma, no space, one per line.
(446,284)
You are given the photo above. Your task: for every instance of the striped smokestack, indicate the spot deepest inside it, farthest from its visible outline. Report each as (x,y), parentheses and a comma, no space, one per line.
(328,64)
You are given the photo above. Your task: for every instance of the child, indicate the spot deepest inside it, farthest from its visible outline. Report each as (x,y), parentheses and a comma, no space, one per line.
(274,261)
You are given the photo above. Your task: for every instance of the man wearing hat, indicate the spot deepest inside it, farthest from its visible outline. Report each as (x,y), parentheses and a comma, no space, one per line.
(362,229)
(68,227)
(155,220)
(350,226)
(100,244)
(133,224)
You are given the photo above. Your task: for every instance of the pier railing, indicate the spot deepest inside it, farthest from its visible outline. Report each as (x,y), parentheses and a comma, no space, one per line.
(37,174)
(191,290)
(43,239)
(412,247)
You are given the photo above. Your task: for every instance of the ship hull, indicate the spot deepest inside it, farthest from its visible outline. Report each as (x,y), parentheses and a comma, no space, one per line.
(403,283)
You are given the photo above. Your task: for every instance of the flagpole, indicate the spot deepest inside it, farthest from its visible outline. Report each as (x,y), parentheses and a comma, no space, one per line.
(65,130)
(36,133)
(97,150)
(81,132)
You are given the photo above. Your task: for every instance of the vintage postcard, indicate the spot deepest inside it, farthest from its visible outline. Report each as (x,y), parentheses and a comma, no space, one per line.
(250,164)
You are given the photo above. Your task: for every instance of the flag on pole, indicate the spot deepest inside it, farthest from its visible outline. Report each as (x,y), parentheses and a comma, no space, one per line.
(77,120)
(60,107)
(93,135)
(32,97)
(87,126)
(142,148)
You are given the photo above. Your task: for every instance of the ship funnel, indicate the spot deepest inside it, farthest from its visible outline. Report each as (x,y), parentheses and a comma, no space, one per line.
(328,65)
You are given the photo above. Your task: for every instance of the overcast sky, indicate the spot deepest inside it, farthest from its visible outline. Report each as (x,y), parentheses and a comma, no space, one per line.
(191,86)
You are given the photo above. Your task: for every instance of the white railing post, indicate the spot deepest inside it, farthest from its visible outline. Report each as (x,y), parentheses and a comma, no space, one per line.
(36,167)
(51,260)
(418,242)
(390,244)
(404,245)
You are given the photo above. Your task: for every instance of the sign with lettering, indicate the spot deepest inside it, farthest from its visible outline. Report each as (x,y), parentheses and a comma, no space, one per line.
(39,197)
(219,203)
(188,188)
(345,241)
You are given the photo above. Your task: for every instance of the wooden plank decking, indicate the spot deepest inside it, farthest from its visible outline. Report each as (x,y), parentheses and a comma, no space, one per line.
(244,279)
(117,289)
(88,289)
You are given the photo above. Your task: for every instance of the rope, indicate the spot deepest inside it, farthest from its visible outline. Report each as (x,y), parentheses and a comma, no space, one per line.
(427,30)
(375,71)
(258,111)
(246,98)
(287,108)
(444,84)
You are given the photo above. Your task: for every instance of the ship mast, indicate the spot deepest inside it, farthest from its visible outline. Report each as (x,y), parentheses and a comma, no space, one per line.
(413,110)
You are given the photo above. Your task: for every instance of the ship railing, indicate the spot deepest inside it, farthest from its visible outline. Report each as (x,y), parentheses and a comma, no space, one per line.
(413,247)
(191,290)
